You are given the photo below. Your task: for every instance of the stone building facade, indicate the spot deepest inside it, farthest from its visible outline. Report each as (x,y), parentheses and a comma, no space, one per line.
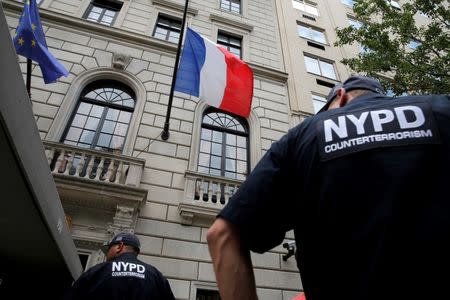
(101,125)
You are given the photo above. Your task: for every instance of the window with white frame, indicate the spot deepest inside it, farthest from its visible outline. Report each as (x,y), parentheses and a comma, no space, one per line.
(231,43)
(231,5)
(167,29)
(318,102)
(223,152)
(308,7)
(354,23)
(103,12)
(223,145)
(311,33)
(348,2)
(319,66)
(102,117)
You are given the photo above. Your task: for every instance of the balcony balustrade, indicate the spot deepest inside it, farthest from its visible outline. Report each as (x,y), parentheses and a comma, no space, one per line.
(95,174)
(205,195)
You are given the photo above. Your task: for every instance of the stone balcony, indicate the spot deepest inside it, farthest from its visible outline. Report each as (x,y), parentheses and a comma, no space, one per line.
(95,178)
(204,196)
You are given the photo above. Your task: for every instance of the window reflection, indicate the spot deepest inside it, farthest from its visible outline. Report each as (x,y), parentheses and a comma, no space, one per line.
(102,118)
(223,145)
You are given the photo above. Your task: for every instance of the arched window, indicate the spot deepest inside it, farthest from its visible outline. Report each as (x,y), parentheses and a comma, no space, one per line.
(223,145)
(102,117)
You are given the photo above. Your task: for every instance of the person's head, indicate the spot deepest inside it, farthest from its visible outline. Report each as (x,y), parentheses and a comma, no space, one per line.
(354,86)
(122,243)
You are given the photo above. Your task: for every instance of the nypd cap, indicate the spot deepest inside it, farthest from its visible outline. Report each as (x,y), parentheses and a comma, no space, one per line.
(355,82)
(124,237)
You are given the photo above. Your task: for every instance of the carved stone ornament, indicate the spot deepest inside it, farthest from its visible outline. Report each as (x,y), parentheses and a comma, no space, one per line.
(120,60)
(114,229)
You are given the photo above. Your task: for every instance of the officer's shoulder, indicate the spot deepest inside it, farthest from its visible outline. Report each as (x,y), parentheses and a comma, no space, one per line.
(149,267)
(92,271)
(430,98)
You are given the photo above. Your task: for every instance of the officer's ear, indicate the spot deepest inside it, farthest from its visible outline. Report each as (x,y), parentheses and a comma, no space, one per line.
(120,247)
(342,97)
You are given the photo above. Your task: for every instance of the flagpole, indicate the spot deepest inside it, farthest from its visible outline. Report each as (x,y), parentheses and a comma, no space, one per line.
(165,134)
(29,77)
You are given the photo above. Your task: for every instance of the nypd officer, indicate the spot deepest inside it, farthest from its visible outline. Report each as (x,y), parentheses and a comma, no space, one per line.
(122,276)
(364,186)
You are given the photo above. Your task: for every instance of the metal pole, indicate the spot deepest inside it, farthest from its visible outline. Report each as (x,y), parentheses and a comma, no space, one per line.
(28,84)
(165,134)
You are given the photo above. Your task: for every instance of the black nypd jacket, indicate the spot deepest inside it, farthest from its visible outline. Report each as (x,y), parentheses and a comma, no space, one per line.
(365,188)
(125,277)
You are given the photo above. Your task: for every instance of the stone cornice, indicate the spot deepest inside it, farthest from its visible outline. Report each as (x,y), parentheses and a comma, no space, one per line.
(269,73)
(302,114)
(176,6)
(227,21)
(77,24)
(85,192)
(83,26)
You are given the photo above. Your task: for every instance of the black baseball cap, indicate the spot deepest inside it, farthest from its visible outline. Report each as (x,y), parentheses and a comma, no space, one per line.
(123,237)
(355,82)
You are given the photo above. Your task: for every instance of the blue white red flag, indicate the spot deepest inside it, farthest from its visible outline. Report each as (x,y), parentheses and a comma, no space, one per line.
(211,73)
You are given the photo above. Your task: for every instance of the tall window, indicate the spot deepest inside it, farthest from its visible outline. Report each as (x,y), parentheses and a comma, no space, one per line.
(311,33)
(102,117)
(231,43)
(167,29)
(308,7)
(103,12)
(320,67)
(231,5)
(223,145)
(318,102)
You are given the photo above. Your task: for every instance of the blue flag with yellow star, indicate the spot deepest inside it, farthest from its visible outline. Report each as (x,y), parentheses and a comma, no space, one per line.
(30,42)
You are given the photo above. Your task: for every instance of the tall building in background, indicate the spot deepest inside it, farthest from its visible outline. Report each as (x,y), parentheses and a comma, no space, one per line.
(101,125)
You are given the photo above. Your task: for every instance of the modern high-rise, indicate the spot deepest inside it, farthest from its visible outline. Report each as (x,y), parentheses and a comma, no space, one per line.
(101,125)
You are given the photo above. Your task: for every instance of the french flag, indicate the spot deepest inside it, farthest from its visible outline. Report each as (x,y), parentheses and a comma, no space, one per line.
(214,75)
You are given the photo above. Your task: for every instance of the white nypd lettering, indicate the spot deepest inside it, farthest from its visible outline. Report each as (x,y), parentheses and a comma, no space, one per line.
(359,123)
(340,130)
(388,125)
(121,268)
(404,124)
(378,119)
(378,137)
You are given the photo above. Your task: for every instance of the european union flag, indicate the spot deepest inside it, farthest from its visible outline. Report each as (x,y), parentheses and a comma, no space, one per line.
(30,42)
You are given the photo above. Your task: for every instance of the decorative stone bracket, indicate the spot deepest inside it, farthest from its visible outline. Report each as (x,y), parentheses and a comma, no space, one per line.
(120,61)
(123,221)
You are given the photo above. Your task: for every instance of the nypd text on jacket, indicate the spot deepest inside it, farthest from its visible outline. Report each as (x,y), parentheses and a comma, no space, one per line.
(125,269)
(384,126)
